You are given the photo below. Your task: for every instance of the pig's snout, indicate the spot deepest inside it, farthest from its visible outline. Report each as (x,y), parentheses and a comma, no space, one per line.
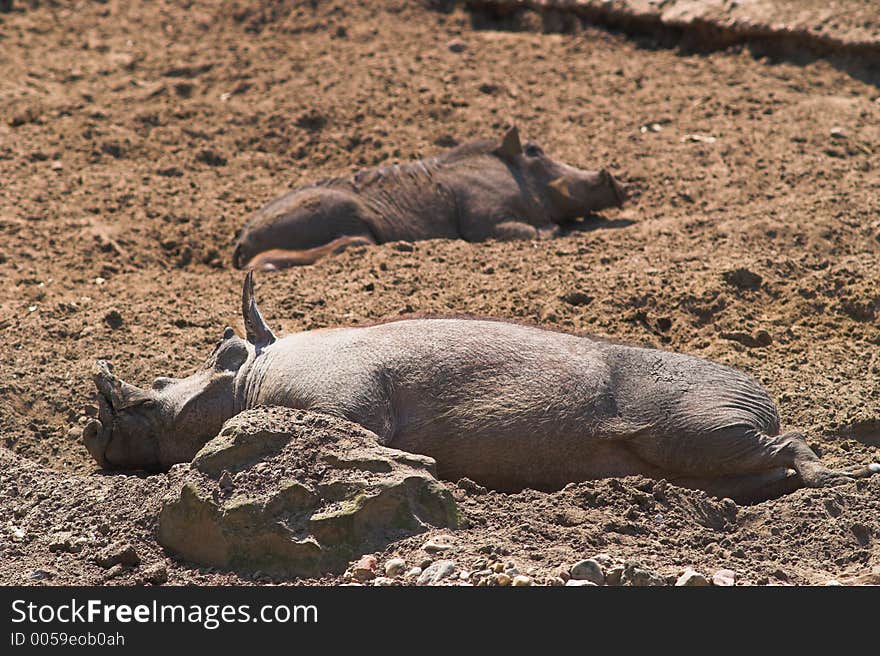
(96,440)
(617,189)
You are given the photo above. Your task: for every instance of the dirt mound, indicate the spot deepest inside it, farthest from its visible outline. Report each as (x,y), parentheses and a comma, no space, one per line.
(138,135)
(293,493)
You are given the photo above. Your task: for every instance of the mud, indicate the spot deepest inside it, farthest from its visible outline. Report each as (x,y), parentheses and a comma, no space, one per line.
(137,136)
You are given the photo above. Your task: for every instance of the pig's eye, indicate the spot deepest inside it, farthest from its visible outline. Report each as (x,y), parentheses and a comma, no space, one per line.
(531,150)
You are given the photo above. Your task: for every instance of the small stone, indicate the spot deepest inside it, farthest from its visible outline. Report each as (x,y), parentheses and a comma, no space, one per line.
(456,45)
(41,575)
(604,560)
(502,580)
(118,554)
(637,576)
(833,582)
(579,583)
(691,578)
(555,581)
(464,575)
(436,572)
(384,581)
(497,567)
(724,578)
(156,574)
(471,487)
(61,542)
(365,568)
(438,545)
(521,580)
(413,573)
(838,133)
(113,572)
(614,575)
(395,567)
(588,570)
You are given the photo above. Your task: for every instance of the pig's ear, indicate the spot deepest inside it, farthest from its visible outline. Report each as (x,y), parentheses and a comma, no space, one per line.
(258,333)
(560,186)
(510,145)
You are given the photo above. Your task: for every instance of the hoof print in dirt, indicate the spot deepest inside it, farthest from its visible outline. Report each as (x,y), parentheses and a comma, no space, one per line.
(295,493)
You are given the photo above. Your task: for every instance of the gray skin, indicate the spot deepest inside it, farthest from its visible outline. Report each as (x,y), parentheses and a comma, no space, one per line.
(507,405)
(478,191)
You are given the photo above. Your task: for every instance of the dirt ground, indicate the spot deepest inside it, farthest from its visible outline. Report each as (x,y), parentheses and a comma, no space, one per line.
(137,136)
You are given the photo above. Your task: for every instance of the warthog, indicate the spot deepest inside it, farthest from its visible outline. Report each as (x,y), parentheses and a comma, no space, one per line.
(478,191)
(507,405)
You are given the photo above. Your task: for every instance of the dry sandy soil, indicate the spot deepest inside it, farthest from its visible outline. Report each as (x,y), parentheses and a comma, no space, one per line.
(137,136)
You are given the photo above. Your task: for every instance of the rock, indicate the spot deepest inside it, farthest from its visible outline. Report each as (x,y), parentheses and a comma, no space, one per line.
(556,581)
(456,45)
(497,567)
(118,554)
(395,567)
(225,481)
(113,572)
(41,575)
(365,569)
(438,545)
(501,580)
(521,581)
(350,496)
(61,542)
(605,561)
(383,581)
(471,487)
(838,133)
(588,570)
(724,578)
(833,582)
(436,572)
(156,574)
(635,575)
(691,578)
(415,572)
(579,583)
(614,575)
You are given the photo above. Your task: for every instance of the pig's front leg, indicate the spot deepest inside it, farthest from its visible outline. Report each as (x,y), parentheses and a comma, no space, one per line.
(519,230)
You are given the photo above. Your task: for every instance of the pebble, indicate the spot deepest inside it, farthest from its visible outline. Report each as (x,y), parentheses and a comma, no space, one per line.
(384,581)
(555,581)
(833,582)
(436,546)
(497,567)
(365,568)
(156,574)
(588,570)
(614,575)
(691,578)
(118,554)
(413,573)
(579,583)
(724,578)
(521,581)
(502,580)
(456,45)
(41,575)
(838,132)
(436,572)
(395,567)
(637,576)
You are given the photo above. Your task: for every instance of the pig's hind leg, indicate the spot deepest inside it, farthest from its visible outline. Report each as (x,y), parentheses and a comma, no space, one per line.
(796,454)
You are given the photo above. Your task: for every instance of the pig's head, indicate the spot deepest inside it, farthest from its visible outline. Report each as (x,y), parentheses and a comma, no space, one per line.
(154,428)
(571,192)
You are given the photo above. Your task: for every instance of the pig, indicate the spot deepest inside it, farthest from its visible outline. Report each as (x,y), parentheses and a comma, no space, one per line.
(478,191)
(507,405)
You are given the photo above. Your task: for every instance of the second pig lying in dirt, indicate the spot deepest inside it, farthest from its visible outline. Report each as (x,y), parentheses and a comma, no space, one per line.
(506,405)
(478,191)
